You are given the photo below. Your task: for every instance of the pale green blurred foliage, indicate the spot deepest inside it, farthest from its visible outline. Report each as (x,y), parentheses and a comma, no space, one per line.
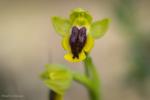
(139,46)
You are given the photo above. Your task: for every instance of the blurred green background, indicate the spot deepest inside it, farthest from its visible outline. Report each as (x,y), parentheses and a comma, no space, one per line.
(28,41)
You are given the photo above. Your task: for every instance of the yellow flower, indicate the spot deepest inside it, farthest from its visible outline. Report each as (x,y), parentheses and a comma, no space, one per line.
(78,33)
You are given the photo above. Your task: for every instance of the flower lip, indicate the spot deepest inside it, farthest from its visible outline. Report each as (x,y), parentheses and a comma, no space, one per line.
(77,40)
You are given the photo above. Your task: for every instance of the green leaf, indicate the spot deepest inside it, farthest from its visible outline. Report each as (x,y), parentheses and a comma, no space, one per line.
(61,26)
(99,28)
(57,77)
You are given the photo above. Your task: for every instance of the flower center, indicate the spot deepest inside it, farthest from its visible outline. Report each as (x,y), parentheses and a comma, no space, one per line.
(77,40)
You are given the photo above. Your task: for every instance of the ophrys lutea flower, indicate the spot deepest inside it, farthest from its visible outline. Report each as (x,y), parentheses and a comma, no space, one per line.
(78,33)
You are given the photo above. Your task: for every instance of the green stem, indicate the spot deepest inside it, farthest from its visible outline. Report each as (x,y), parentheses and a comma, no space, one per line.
(58,97)
(55,96)
(90,80)
(91,72)
(82,79)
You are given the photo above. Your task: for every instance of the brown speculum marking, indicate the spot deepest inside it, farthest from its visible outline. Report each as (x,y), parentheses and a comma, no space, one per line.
(77,40)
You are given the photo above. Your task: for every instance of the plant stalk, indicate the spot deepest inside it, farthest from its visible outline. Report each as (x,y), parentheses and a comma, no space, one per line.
(54,96)
(92,74)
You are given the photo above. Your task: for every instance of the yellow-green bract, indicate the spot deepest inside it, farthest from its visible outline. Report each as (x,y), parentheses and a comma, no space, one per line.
(57,77)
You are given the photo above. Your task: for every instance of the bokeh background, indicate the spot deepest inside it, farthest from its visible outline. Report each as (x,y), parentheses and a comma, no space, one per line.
(28,42)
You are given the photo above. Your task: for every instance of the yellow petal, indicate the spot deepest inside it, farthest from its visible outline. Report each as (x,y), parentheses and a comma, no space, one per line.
(65,43)
(89,44)
(69,57)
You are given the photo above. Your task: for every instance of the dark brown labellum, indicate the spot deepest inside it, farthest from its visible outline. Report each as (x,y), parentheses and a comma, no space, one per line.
(77,40)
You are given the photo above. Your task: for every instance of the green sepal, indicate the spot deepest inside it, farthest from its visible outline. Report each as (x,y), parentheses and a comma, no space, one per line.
(57,77)
(80,13)
(99,28)
(61,25)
